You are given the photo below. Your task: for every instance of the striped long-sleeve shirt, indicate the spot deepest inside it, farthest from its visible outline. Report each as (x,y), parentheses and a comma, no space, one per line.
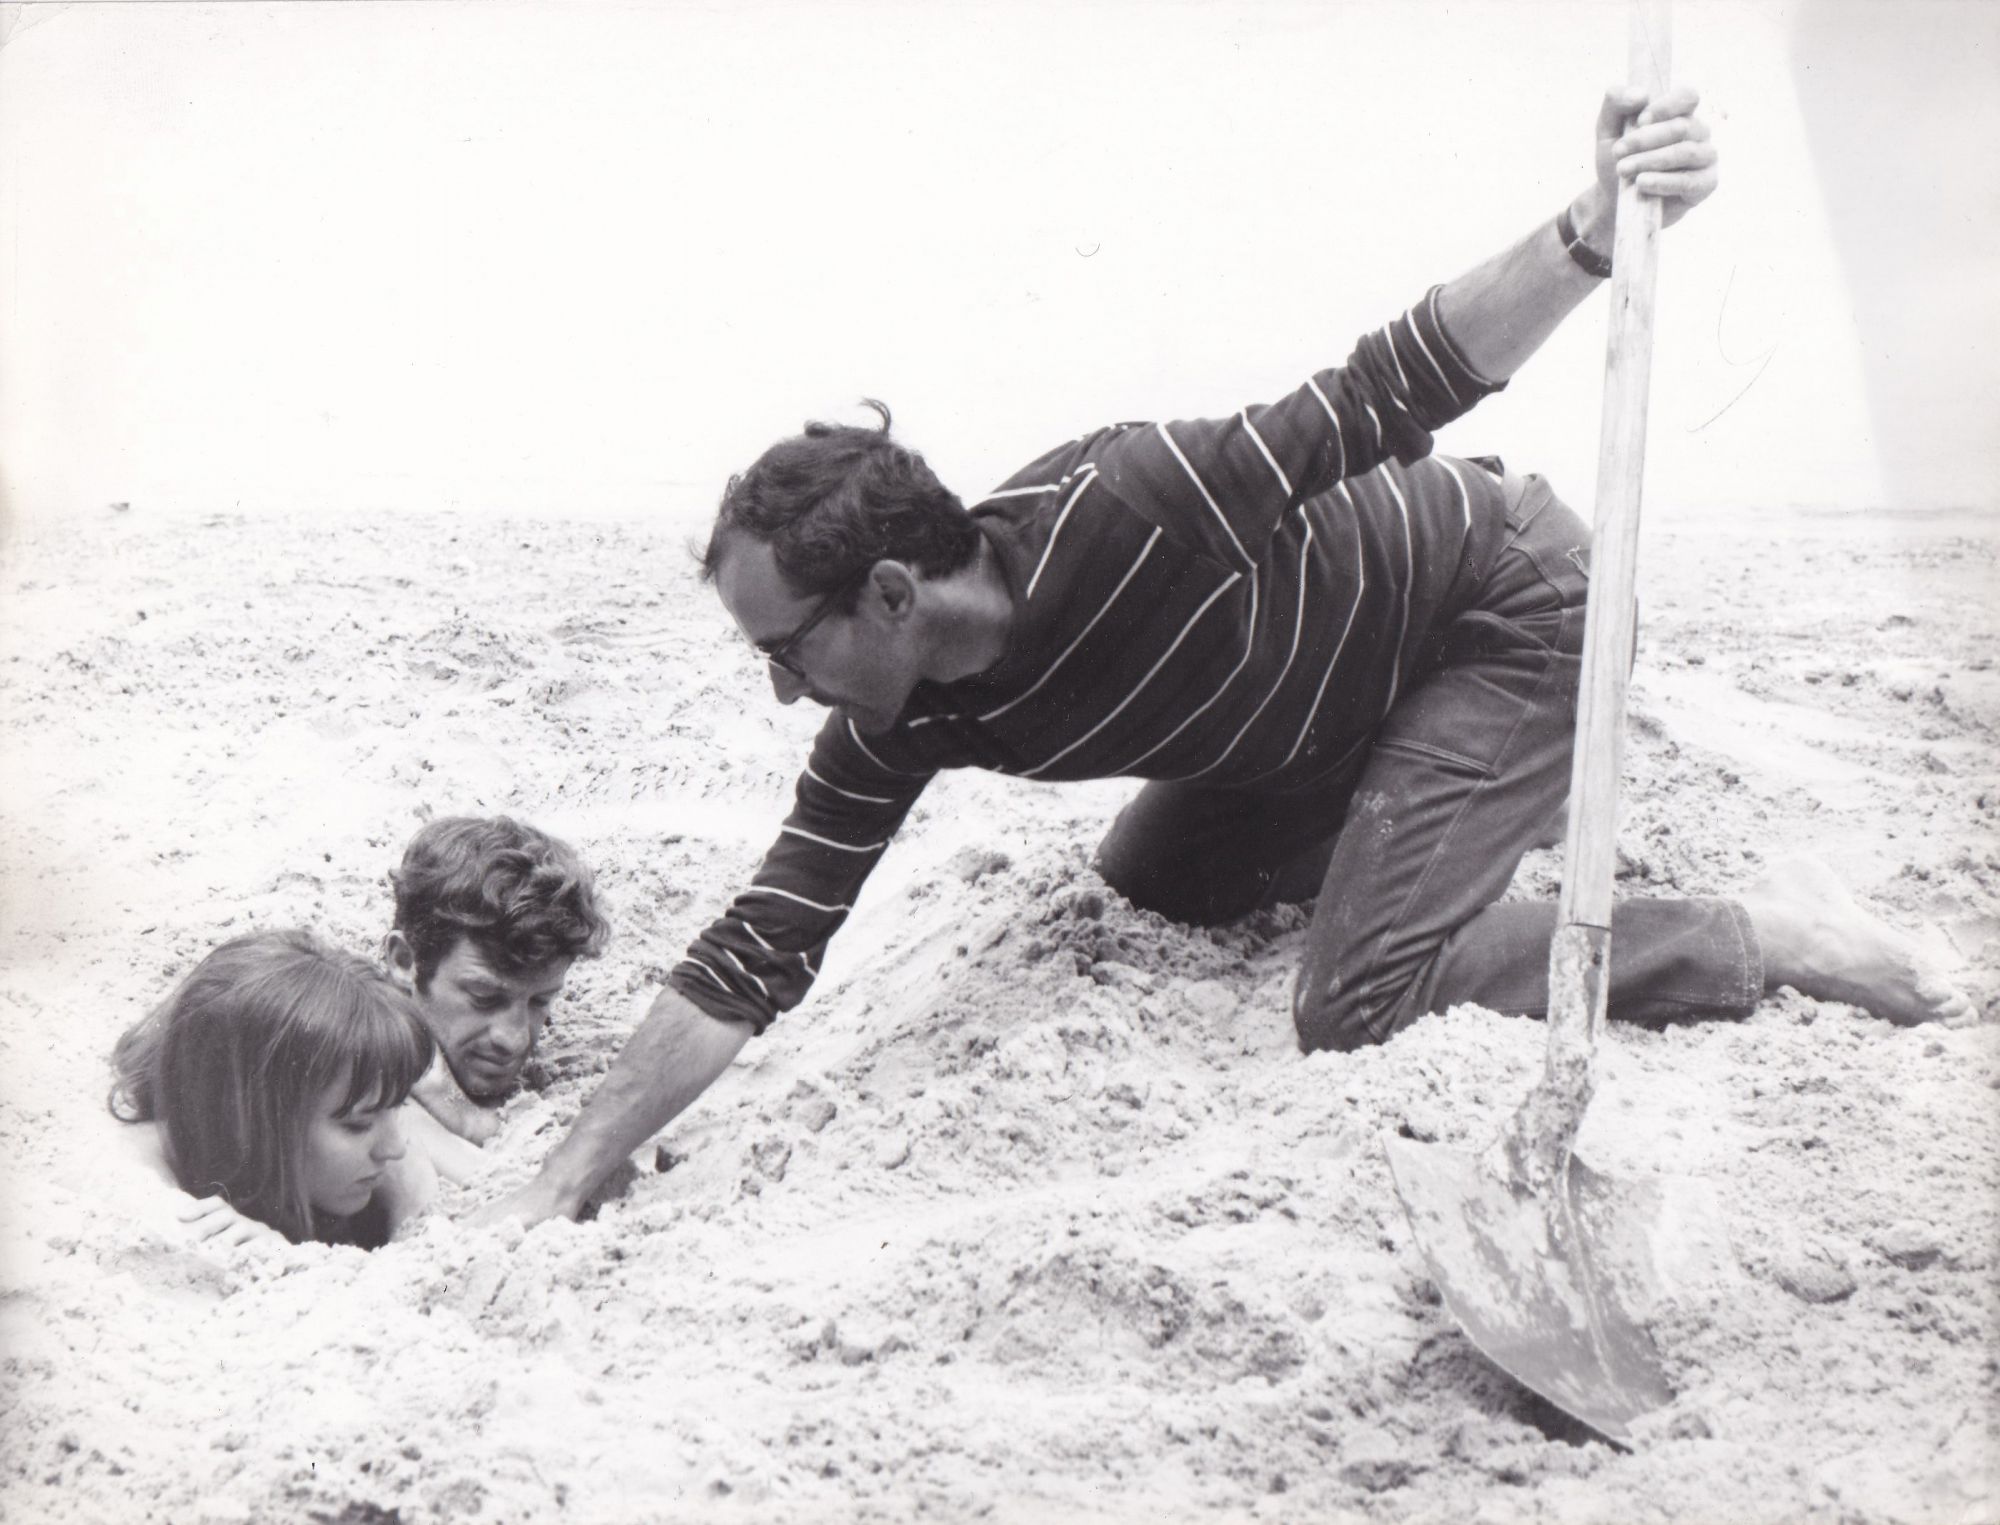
(1233,601)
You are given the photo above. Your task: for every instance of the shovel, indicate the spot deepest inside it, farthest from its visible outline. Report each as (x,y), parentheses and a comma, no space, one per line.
(1551,1267)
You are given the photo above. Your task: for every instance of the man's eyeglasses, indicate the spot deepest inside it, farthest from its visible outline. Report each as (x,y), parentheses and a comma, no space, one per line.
(779,653)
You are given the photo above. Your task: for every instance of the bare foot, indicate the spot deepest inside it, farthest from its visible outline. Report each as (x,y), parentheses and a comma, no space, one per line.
(1821,941)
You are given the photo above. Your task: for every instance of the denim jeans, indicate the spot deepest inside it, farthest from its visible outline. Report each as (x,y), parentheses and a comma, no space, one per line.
(1411,850)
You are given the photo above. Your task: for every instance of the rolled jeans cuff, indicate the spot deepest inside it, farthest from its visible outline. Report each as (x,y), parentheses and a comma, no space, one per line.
(1750,956)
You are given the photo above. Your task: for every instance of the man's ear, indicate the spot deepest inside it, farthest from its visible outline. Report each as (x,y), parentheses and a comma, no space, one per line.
(892,587)
(401,960)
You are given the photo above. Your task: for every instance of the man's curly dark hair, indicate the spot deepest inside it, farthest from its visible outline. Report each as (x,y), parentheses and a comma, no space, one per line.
(835,500)
(523,897)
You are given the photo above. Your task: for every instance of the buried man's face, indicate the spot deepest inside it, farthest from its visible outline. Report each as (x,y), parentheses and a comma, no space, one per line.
(486,1021)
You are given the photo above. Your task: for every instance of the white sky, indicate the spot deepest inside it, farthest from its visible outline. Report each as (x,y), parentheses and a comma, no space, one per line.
(591,258)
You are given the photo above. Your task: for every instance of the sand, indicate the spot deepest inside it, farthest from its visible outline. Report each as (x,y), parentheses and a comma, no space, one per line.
(1034,1212)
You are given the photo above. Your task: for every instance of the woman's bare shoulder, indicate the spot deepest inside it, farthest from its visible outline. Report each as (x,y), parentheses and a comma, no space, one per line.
(125,1166)
(141,1148)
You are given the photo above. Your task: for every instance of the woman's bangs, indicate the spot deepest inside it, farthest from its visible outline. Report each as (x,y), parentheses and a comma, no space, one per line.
(387,1049)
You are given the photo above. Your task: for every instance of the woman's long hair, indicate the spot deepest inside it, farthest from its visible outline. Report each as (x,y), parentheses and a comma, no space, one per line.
(231,1064)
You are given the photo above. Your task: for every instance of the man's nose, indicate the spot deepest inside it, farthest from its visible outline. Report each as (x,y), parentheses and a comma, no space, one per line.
(788,686)
(512,1031)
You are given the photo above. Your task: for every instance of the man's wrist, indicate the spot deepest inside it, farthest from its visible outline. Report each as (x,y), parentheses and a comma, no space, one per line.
(564,1184)
(1592,227)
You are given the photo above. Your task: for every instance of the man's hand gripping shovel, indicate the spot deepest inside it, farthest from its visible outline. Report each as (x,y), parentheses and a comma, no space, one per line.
(1553,1268)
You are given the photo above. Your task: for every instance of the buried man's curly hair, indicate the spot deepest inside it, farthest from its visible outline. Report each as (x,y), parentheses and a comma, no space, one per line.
(523,897)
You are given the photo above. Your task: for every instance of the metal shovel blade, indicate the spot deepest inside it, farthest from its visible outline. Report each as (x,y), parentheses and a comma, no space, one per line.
(1552,1269)
(1554,1288)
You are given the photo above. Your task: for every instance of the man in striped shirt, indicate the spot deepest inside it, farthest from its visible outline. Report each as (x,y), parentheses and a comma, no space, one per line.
(1344,666)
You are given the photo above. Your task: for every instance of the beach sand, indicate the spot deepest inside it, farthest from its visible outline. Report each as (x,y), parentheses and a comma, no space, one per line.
(1034,1211)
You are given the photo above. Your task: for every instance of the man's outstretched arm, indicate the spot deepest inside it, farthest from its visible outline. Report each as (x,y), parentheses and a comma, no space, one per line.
(1499,313)
(675,1055)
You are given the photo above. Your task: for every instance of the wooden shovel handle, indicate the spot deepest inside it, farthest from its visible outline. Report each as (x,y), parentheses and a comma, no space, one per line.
(1533,1152)
(1590,853)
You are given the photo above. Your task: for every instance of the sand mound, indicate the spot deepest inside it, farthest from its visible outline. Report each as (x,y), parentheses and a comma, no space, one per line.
(1035,1212)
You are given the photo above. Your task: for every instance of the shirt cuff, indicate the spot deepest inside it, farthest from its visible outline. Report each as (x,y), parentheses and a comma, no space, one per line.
(694,982)
(1434,328)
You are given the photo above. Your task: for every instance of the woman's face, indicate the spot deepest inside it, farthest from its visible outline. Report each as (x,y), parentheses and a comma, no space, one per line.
(345,1157)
